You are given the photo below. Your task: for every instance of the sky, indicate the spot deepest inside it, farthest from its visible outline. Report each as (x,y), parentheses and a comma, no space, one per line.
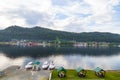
(65,15)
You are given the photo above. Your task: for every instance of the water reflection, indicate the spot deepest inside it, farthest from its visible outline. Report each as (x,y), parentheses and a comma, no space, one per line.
(69,57)
(68,61)
(6,61)
(74,61)
(36,52)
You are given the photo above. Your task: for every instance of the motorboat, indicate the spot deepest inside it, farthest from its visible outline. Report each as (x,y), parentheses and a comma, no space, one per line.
(51,66)
(45,65)
(29,65)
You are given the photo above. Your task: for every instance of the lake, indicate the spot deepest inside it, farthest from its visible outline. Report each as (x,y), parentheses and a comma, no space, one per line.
(69,57)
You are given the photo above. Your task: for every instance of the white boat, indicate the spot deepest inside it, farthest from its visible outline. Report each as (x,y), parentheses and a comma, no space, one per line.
(51,66)
(45,65)
(29,65)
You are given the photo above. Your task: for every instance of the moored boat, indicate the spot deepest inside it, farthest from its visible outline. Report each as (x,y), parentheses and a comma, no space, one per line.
(45,65)
(29,66)
(51,66)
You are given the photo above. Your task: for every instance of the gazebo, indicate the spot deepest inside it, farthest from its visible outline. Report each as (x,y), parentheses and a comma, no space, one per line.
(61,72)
(99,72)
(81,72)
(36,66)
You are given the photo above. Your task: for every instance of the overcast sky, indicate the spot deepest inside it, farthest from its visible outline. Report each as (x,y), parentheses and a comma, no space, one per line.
(66,15)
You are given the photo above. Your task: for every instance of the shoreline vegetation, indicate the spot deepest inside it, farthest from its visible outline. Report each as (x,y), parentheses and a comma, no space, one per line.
(60,43)
(14,73)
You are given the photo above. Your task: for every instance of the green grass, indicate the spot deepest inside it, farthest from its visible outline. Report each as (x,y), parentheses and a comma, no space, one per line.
(72,75)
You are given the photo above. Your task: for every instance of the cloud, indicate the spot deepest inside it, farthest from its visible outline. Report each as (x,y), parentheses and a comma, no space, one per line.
(31,17)
(67,15)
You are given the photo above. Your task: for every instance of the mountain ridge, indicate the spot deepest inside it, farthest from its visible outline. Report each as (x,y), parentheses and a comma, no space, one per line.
(39,33)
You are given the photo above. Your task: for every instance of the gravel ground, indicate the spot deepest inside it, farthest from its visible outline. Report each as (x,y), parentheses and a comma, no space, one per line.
(12,73)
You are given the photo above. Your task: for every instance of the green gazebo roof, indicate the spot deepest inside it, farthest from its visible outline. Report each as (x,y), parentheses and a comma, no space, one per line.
(98,69)
(79,69)
(61,69)
(36,62)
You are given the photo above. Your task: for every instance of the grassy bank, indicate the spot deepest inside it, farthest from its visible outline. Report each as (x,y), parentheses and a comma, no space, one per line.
(72,75)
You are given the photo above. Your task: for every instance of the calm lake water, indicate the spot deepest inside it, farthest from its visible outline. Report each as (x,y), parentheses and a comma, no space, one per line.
(69,57)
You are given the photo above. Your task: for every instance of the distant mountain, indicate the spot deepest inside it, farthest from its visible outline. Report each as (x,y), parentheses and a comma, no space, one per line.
(39,33)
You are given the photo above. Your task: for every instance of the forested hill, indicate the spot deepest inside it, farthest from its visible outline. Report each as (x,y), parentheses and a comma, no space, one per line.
(38,33)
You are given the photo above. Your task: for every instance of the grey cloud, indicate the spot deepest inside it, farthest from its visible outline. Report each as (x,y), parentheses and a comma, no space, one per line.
(31,17)
(74,28)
